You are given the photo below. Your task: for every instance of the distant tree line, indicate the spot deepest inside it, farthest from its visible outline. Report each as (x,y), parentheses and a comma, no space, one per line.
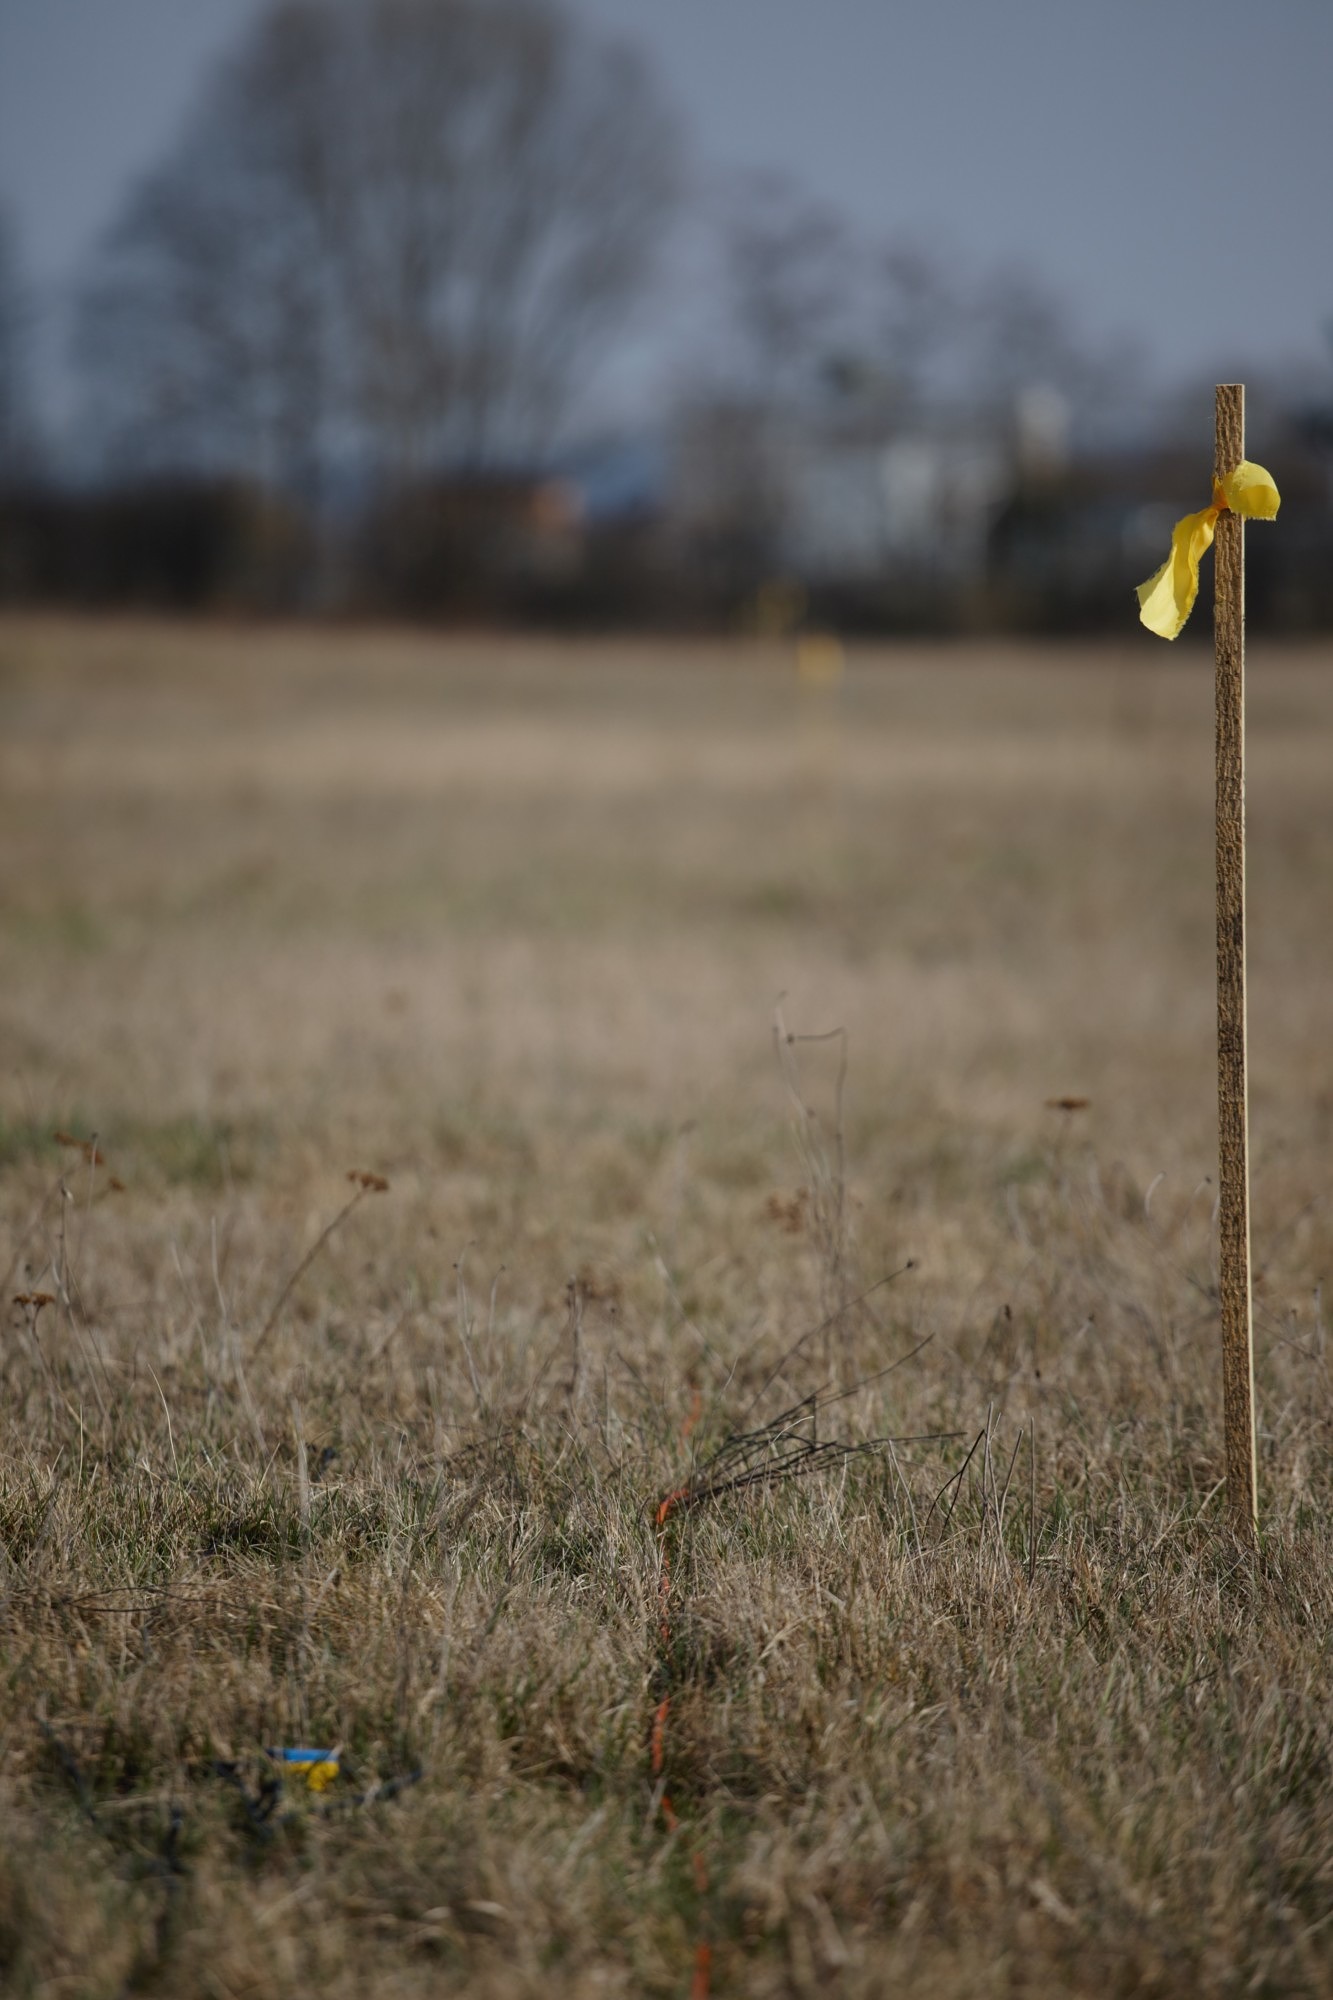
(336,344)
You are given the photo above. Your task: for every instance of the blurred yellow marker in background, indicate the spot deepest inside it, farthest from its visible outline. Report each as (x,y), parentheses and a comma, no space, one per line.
(1167,599)
(819,659)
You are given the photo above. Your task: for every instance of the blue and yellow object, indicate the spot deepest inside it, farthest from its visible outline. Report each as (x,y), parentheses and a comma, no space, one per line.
(319,1767)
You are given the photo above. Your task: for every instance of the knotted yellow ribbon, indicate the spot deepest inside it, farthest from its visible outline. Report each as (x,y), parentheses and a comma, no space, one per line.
(1167,599)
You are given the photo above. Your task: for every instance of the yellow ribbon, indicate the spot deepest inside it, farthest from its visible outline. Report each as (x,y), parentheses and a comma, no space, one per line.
(1167,599)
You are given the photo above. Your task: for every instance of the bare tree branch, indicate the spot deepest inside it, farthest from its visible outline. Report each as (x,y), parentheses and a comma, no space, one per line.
(393,230)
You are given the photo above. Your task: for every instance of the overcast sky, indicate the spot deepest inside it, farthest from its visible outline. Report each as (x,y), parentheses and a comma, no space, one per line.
(1166,164)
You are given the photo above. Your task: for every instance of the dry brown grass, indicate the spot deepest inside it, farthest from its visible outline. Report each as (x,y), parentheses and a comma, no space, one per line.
(506,923)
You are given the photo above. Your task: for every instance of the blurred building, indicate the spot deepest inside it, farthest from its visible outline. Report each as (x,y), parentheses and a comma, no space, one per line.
(916,506)
(864,502)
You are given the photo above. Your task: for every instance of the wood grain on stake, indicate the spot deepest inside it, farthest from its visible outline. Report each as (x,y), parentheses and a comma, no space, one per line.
(1232,1100)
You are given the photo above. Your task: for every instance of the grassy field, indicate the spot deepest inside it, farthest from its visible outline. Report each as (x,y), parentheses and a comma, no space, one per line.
(997,1710)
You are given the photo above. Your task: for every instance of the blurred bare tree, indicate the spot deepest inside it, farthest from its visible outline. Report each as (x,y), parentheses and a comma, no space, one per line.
(1026,336)
(395,230)
(883,400)
(790,290)
(979,341)
(16,421)
(920,312)
(793,285)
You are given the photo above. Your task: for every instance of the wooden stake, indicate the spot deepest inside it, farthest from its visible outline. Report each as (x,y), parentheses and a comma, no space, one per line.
(1232,1095)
